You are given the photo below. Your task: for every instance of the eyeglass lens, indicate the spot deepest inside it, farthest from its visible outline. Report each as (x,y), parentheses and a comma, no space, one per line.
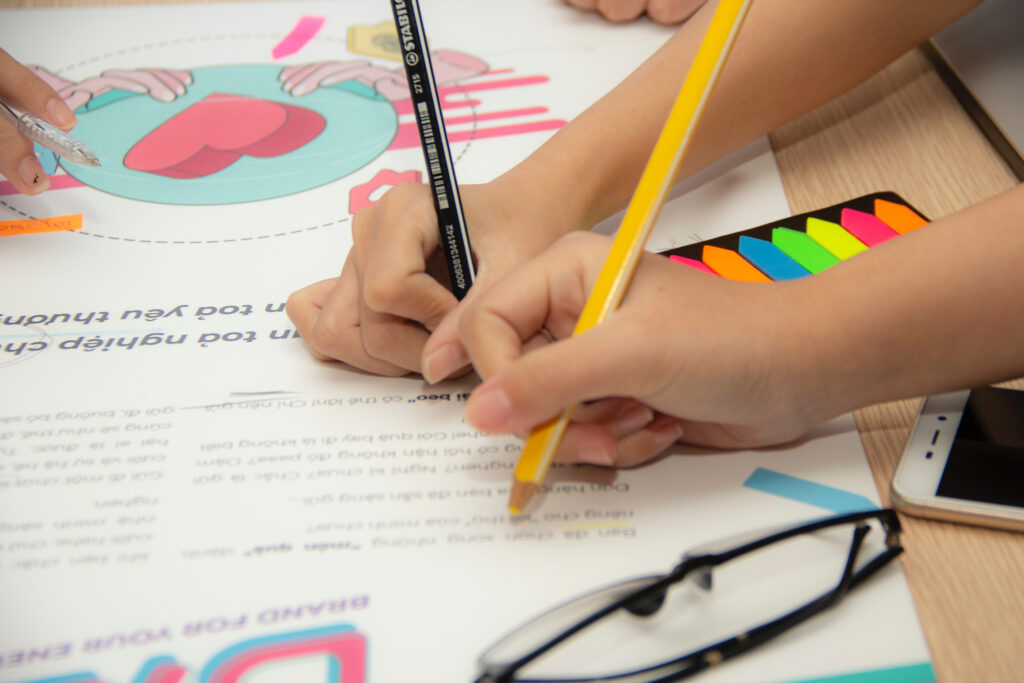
(746,592)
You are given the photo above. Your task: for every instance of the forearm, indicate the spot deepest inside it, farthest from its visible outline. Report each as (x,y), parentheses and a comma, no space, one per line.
(939,309)
(790,56)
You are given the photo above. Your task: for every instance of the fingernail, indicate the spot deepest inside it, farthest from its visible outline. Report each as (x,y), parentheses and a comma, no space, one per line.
(595,456)
(32,174)
(443,362)
(634,418)
(59,114)
(666,435)
(488,409)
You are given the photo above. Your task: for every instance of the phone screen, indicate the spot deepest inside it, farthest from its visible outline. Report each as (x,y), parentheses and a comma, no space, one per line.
(986,461)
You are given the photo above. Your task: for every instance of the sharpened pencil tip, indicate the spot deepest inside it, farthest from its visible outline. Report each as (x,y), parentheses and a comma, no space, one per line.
(522,492)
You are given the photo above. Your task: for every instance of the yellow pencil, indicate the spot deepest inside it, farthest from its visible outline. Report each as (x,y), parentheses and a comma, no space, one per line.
(636,225)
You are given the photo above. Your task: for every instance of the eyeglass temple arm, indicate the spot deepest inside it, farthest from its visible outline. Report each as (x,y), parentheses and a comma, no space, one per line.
(714,654)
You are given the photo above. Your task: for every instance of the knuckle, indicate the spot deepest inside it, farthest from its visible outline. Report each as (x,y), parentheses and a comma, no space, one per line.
(362,223)
(12,145)
(672,11)
(294,305)
(575,240)
(581,243)
(618,10)
(324,333)
(470,319)
(382,293)
(377,340)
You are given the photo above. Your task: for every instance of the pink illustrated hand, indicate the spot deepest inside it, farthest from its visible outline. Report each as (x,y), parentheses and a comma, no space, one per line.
(449,67)
(161,84)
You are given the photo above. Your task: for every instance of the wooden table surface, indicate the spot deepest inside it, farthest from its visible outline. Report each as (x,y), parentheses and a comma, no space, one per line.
(901,131)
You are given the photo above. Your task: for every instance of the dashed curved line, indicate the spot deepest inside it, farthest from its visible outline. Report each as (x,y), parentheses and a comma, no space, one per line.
(473,128)
(261,36)
(226,240)
(15,210)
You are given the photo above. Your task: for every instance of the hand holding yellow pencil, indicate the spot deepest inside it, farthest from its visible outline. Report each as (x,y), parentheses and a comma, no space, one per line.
(636,225)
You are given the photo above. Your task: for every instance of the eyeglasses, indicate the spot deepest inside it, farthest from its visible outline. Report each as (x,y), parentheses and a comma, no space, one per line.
(670,626)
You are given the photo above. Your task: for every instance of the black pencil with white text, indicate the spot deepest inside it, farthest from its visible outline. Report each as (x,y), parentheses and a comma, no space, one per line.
(433,138)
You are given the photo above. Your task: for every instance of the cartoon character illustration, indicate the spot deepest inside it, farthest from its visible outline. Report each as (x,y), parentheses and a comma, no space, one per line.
(250,131)
(226,152)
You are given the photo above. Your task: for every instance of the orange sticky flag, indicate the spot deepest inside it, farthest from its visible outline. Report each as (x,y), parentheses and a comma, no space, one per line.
(30,225)
(900,218)
(731,265)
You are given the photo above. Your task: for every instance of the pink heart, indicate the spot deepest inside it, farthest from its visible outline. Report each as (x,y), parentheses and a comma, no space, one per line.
(219,130)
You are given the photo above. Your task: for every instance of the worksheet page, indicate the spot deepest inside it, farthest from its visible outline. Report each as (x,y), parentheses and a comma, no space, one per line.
(186,494)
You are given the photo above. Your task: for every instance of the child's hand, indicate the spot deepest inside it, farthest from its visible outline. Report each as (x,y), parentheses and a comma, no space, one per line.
(665,12)
(708,357)
(26,91)
(379,313)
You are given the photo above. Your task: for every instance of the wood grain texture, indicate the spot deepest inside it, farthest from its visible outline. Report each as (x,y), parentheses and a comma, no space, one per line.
(903,131)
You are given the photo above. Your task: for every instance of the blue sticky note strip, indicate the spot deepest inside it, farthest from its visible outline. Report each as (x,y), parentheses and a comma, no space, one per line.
(69,678)
(912,673)
(770,260)
(804,491)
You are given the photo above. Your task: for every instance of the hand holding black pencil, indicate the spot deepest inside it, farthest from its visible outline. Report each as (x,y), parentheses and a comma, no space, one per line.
(440,170)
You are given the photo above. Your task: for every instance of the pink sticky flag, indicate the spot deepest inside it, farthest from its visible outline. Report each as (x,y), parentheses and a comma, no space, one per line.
(303,32)
(693,263)
(865,227)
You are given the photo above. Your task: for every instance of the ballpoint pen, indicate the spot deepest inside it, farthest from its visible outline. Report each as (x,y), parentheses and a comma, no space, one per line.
(49,136)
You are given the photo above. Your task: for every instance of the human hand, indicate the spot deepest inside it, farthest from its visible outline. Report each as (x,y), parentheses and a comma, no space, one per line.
(379,313)
(665,12)
(709,358)
(25,90)
(161,84)
(449,66)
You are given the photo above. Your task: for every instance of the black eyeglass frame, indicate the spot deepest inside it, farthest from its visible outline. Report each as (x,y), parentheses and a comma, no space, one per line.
(648,599)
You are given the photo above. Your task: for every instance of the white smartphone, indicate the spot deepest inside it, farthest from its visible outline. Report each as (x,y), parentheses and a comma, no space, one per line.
(964,461)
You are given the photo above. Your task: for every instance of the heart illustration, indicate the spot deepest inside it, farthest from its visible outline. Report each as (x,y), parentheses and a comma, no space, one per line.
(219,130)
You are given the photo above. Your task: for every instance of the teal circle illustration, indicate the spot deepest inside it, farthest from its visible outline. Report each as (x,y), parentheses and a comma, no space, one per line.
(234,136)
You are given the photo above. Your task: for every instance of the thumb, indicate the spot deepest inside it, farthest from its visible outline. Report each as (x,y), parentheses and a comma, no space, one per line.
(444,354)
(541,384)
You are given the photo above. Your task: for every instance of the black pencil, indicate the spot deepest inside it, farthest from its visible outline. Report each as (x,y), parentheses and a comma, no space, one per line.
(441,171)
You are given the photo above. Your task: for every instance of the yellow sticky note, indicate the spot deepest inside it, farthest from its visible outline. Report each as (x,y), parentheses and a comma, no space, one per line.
(31,225)
(834,238)
(375,41)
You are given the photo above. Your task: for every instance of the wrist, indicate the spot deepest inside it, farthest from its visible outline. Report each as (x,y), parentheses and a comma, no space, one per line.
(814,371)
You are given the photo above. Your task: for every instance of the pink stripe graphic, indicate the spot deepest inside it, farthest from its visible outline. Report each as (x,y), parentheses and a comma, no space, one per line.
(502,131)
(459,120)
(303,32)
(408,135)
